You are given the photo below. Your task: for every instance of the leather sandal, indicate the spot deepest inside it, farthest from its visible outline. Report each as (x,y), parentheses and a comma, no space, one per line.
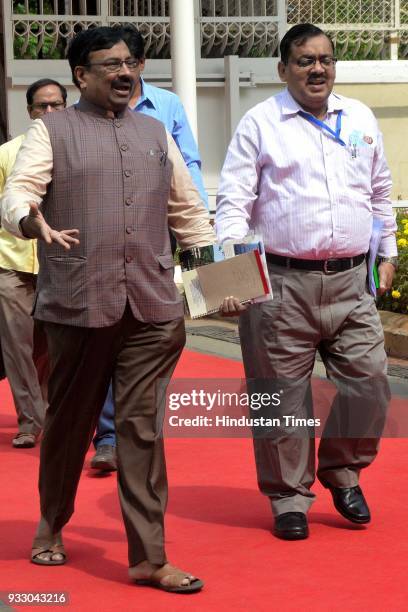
(56,549)
(174,584)
(24,440)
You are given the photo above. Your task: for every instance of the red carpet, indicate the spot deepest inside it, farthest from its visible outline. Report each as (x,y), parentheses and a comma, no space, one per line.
(218,526)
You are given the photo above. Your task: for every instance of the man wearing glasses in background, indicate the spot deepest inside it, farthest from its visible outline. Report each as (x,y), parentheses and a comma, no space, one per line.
(306,170)
(23,344)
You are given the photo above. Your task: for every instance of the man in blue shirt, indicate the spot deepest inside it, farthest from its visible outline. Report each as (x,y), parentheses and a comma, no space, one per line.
(167,108)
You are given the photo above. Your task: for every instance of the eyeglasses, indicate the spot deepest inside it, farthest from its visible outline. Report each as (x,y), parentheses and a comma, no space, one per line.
(42,106)
(308,61)
(115,66)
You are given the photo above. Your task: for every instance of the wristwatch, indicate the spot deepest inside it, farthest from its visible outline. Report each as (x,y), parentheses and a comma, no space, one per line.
(392,260)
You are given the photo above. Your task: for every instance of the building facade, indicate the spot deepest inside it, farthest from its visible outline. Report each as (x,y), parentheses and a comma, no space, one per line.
(236,46)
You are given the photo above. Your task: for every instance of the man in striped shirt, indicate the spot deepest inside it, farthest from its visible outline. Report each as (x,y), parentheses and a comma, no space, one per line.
(306,170)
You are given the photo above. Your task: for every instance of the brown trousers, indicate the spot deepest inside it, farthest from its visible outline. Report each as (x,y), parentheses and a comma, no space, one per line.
(334,314)
(24,349)
(140,358)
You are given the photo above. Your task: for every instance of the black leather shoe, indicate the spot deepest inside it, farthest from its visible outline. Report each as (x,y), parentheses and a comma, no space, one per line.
(291,526)
(104,458)
(351,504)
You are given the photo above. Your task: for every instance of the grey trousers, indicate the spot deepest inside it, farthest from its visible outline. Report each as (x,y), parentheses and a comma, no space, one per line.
(24,349)
(332,314)
(140,358)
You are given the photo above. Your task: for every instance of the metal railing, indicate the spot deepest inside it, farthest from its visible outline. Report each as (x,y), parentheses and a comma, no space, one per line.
(361,29)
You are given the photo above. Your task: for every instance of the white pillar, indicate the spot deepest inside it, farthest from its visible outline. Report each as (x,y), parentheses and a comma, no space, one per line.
(232,95)
(394,37)
(282,19)
(183,59)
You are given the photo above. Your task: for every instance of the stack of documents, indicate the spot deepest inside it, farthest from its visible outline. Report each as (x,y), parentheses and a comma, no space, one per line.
(214,272)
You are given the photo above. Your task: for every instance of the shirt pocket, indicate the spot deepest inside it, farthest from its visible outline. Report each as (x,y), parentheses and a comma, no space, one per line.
(67,283)
(166,261)
(165,279)
(358,168)
(158,170)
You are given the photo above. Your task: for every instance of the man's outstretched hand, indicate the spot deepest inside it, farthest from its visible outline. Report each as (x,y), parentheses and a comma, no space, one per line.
(35,226)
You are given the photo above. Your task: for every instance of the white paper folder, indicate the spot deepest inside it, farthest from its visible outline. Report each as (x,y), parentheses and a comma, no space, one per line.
(242,276)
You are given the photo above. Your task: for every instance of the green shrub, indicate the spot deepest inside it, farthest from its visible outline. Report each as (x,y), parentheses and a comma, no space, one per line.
(397,299)
(47,50)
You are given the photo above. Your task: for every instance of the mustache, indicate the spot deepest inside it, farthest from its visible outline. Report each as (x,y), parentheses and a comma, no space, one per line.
(316,77)
(123,80)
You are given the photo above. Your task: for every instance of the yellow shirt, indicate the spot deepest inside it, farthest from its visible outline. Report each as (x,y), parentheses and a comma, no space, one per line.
(15,254)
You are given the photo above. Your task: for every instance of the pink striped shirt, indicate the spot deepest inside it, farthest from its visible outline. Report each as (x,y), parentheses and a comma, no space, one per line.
(305,193)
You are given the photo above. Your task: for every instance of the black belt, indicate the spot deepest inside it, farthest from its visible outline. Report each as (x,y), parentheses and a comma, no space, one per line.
(328,266)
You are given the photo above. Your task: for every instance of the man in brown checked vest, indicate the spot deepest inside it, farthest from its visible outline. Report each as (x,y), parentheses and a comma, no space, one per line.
(105,291)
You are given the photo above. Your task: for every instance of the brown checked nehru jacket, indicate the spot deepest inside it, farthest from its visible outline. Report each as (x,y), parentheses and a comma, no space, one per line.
(111,179)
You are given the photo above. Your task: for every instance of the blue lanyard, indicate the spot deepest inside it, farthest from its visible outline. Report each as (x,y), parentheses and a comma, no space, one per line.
(323,126)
